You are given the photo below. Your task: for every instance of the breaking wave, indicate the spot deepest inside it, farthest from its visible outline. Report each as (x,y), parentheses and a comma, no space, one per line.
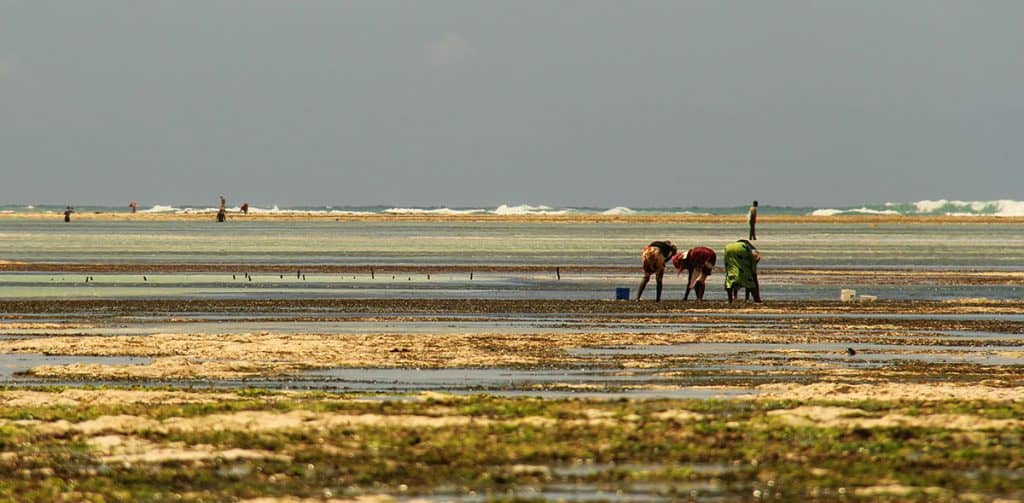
(937,207)
(160,208)
(526,209)
(431,211)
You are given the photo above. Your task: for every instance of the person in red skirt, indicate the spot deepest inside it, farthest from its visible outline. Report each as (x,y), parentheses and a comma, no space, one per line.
(698,262)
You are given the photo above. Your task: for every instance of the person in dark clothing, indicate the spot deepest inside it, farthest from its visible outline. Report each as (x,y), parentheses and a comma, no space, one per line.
(653,261)
(752,220)
(221,215)
(67,213)
(245,208)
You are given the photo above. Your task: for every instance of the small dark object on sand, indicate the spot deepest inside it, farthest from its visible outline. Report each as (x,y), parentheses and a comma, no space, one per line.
(851,351)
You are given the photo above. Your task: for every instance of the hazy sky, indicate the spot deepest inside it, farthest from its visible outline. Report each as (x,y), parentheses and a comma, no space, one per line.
(602,103)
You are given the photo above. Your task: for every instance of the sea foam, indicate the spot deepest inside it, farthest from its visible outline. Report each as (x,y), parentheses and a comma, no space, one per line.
(526,209)
(998,207)
(431,211)
(160,208)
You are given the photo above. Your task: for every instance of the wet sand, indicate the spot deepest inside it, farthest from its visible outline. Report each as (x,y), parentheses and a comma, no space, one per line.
(502,307)
(796,276)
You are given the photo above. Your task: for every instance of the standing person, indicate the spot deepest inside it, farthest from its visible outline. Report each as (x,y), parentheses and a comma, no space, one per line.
(223,202)
(752,220)
(653,260)
(245,208)
(221,215)
(67,213)
(699,262)
(133,205)
(741,260)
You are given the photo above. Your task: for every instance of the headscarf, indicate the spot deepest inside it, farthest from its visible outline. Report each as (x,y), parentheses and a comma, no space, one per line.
(679,261)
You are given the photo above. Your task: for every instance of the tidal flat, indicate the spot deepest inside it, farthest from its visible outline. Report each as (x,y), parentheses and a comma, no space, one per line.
(163,361)
(556,400)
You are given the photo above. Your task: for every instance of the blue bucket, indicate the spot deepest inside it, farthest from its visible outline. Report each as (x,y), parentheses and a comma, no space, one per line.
(622,293)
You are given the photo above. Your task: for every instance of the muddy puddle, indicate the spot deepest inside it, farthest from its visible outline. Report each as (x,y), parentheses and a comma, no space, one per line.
(874,353)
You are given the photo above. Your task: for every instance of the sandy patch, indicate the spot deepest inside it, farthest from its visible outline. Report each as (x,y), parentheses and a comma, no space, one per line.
(128,449)
(302,419)
(248,421)
(678,416)
(85,397)
(838,417)
(358,499)
(842,417)
(178,367)
(266,421)
(890,391)
(896,490)
(251,354)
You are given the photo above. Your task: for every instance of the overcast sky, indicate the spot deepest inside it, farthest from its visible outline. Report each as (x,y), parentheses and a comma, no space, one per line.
(478,103)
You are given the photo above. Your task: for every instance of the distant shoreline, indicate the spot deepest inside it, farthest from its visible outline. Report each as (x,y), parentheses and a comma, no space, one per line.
(563,218)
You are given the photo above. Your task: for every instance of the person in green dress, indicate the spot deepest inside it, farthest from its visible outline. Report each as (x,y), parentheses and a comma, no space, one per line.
(741,260)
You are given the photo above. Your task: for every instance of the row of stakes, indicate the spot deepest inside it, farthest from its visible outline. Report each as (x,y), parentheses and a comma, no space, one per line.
(299,275)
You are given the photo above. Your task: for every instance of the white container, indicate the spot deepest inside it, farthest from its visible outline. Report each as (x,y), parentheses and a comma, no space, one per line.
(867,298)
(847,295)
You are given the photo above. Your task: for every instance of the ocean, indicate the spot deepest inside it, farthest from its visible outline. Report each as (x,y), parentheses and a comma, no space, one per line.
(940,207)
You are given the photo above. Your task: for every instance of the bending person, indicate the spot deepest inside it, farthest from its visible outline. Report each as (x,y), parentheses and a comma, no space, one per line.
(699,262)
(653,260)
(741,260)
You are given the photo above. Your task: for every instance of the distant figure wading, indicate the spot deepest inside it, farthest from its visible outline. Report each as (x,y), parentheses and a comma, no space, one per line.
(653,260)
(752,220)
(245,208)
(67,213)
(222,213)
(133,205)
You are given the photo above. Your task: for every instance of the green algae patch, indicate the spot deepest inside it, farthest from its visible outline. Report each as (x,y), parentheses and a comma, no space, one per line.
(312,445)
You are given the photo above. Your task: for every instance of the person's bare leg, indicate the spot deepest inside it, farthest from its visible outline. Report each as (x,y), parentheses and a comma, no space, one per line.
(657,277)
(700,291)
(643,284)
(689,281)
